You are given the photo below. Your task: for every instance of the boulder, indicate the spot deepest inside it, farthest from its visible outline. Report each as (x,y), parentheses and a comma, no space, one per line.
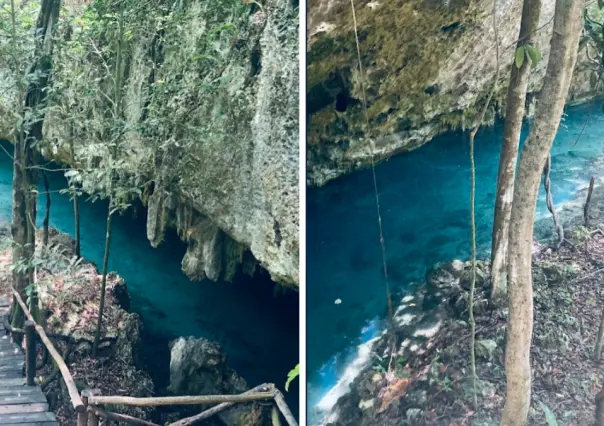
(199,367)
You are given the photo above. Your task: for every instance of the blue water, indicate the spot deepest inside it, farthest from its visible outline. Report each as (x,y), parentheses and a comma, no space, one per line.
(258,331)
(425,209)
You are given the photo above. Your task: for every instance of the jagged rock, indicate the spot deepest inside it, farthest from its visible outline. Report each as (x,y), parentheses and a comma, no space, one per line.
(440,278)
(428,62)
(129,339)
(228,148)
(456,268)
(466,278)
(485,348)
(364,405)
(121,295)
(199,367)
(413,413)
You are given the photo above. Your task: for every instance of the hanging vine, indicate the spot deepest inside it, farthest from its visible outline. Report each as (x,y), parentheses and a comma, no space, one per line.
(375,188)
(473,216)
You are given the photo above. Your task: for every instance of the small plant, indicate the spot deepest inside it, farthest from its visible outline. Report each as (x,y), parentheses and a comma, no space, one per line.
(550,418)
(528,52)
(291,376)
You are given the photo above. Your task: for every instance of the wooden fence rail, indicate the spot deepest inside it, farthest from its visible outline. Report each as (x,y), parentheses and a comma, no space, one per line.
(89,406)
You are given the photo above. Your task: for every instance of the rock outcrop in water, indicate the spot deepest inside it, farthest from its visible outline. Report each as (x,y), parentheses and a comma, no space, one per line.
(429,68)
(211,108)
(199,367)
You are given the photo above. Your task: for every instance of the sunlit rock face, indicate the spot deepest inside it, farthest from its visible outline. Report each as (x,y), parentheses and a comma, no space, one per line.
(429,67)
(211,105)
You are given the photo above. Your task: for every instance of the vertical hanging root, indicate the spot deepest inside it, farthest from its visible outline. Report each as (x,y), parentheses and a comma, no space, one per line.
(550,201)
(479,121)
(586,206)
(392,337)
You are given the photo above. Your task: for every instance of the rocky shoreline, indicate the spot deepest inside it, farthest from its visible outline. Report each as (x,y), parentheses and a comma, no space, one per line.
(130,362)
(427,380)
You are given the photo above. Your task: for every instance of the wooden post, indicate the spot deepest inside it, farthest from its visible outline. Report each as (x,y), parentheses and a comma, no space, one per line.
(92,418)
(30,352)
(83,415)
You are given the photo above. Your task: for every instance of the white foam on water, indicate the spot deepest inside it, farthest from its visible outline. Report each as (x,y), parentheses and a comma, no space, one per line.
(342,387)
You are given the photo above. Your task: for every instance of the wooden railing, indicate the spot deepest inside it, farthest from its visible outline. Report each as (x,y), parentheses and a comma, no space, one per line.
(89,405)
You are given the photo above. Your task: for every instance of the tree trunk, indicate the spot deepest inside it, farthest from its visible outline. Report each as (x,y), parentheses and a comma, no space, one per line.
(97,334)
(550,201)
(563,54)
(516,99)
(600,408)
(76,214)
(47,212)
(76,202)
(598,349)
(23,225)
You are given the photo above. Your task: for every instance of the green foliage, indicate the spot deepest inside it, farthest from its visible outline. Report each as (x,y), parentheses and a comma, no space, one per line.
(292,375)
(550,418)
(527,52)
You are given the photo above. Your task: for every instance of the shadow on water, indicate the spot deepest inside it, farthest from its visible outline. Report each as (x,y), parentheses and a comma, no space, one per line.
(424,198)
(258,330)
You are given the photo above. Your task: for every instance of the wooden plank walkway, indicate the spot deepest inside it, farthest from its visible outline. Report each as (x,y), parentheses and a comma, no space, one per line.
(20,405)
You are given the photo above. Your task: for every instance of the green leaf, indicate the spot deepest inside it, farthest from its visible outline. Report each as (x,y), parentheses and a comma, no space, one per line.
(291,376)
(533,53)
(550,418)
(519,57)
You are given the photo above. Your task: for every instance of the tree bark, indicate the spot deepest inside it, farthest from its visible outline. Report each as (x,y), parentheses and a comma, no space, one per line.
(76,203)
(598,349)
(97,334)
(550,201)
(600,408)
(24,198)
(563,54)
(46,222)
(515,104)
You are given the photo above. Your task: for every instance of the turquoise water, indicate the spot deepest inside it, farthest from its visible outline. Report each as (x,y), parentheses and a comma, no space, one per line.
(258,331)
(425,209)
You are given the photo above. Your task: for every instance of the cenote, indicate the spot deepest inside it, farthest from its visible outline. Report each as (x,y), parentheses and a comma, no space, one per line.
(257,329)
(424,199)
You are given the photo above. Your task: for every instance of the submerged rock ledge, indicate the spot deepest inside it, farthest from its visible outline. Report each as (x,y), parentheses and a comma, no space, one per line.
(426,380)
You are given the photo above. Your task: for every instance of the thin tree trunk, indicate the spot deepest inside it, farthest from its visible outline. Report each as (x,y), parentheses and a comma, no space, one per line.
(600,408)
(550,201)
(592,181)
(47,212)
(76,214)
(76,202)
(97,334)
(563,54)
(32,98)
(598,350)
(515,104)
